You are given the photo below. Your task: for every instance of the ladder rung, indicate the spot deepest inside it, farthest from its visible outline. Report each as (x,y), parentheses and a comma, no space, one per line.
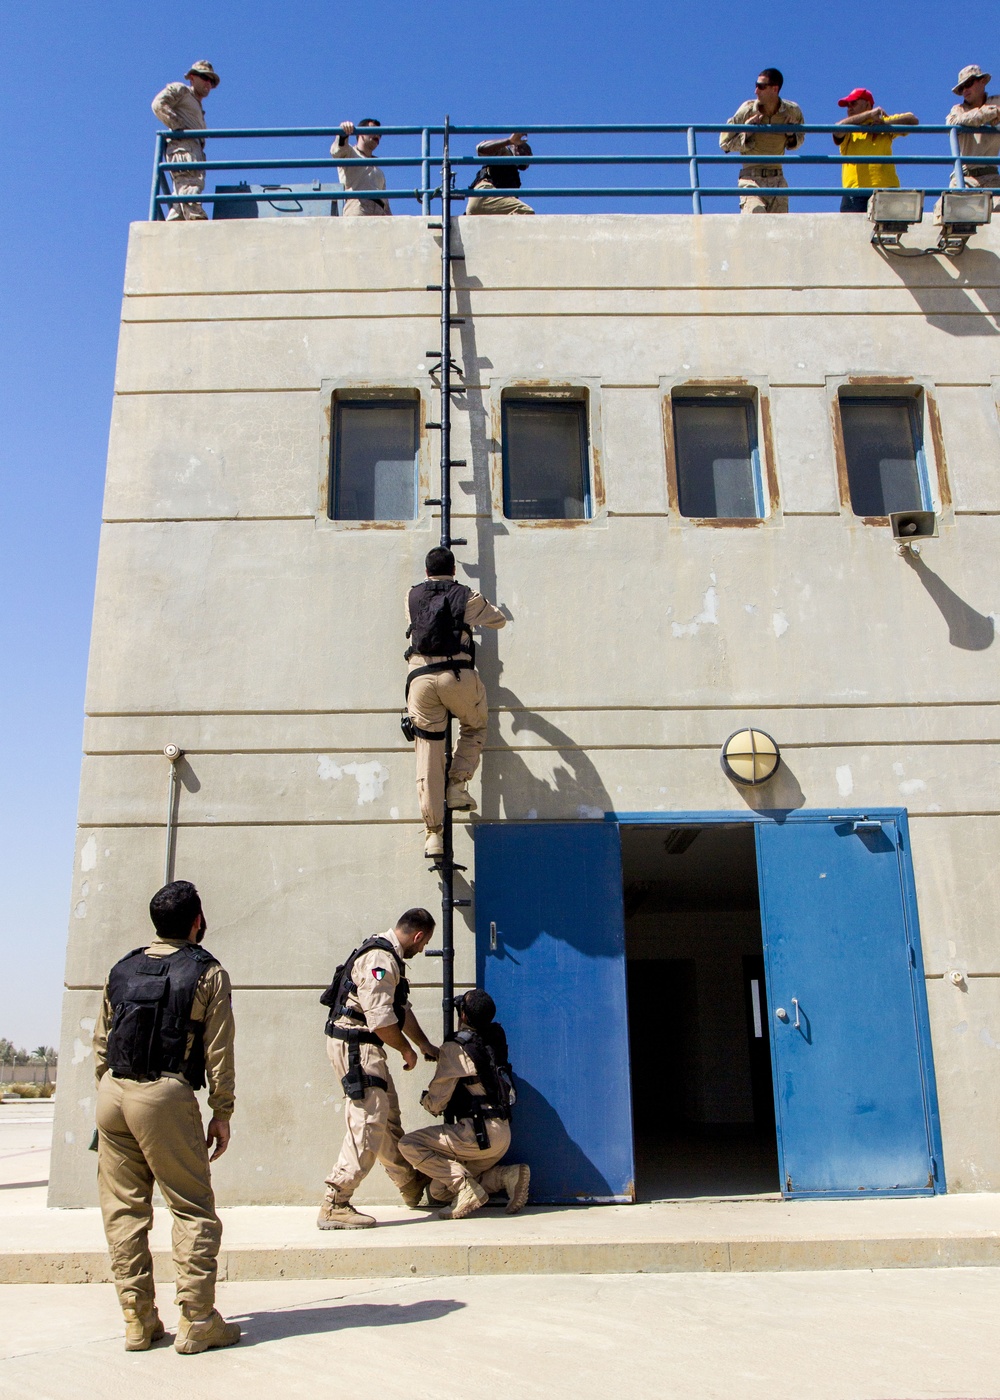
(433,286)
(457,462)
(457,257)
(435,501)
(432,425)
(456,320)
(459,867)
(435,225)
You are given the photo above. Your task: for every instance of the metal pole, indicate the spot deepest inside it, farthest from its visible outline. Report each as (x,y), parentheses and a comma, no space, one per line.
(693,167)
(154,208)
(172,754)
(448,861)
(959,172)
(425,171)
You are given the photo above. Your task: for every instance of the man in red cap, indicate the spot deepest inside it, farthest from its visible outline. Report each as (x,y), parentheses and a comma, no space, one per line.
(875,139)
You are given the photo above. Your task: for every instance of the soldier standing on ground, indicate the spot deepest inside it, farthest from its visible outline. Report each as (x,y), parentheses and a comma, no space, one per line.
(471,1088)
(165,1023)
(360,177)
(179,107)
(442,680)
(370,1011)
(500,177)
(764,110)
(978,116)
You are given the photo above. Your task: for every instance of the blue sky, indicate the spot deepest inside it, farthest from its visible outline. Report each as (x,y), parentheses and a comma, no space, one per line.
(77,147)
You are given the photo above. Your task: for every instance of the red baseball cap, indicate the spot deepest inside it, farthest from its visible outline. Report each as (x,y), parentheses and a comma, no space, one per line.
(855,95)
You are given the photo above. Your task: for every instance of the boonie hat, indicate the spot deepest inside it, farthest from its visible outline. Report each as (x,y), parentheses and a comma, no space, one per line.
(972,71)
(204,70)
(855,95)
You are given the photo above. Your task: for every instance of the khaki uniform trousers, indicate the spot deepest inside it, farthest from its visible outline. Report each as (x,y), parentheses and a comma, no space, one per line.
(448,1153)
(187,182)
(365,209)
(152,1133)
(372,1125)
(977,177)
(763,177)
(496,204)
(432,698)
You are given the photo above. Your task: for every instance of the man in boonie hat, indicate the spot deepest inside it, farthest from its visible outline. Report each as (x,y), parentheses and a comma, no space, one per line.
(872,140)
(979,137)
(179,107)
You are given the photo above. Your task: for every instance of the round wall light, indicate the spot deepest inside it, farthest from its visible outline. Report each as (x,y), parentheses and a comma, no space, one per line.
(750,757)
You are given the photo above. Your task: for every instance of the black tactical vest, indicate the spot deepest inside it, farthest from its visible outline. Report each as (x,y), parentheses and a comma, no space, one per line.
(151,1000)
(493,1076)
(343,986)
(437,619)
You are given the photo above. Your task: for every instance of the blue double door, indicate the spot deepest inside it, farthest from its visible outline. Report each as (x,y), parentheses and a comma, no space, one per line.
(853,1079)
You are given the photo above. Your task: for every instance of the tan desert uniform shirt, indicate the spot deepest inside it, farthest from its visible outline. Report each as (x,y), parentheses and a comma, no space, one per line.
(983,139)
(478,613)
(453,1064)
(376,976)
(213,1005)
(763,142)
(177,107)
(369,178)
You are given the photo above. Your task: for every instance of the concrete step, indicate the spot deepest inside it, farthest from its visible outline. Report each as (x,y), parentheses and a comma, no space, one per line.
(267,1243)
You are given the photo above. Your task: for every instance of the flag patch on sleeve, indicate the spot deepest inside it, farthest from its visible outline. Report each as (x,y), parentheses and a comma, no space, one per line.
(378,973)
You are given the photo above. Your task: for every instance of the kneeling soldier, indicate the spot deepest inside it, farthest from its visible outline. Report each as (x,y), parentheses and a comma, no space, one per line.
(472,1088)
(369,1010)
(165,1022)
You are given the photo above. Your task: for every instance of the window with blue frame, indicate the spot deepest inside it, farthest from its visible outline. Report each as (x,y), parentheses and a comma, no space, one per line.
(717,457)
(546,468)
(884,452)
(374,459)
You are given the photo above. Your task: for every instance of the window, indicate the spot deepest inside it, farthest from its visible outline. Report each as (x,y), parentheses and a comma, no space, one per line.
(718,463)
(374,469)
(884,451)
(545,469)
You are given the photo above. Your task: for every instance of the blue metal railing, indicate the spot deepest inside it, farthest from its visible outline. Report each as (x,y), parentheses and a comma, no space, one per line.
(428,162)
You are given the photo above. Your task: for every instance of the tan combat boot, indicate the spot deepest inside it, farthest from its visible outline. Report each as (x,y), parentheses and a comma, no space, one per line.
(142,1326)
(516,1180)
(196,1334)
(459,798)
(434,844)
(413,1192)
(341,1215)
(471,1197)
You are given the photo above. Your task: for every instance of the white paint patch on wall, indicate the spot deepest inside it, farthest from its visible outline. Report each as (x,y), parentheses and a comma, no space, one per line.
(88,854)
(911,786)
(371,778)
(80,1051)
(709,616)
(845,780)
(780,623)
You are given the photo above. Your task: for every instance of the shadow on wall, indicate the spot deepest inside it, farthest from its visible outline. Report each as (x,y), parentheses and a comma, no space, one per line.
(560,1170)
(967,629)
(776,798)
(942,288)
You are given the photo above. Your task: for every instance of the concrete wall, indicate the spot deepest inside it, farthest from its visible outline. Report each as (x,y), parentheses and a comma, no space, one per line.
(234,619)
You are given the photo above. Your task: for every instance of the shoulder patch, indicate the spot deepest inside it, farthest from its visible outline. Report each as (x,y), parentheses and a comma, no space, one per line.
(378,973)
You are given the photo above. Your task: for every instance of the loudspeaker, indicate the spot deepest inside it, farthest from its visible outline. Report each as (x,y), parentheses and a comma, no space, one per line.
(909,525)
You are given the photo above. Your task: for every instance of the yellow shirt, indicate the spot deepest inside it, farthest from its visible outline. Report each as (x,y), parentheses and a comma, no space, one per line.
(869,142)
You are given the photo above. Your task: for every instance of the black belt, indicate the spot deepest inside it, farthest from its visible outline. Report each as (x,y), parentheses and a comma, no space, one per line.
(434,668)
(981,169)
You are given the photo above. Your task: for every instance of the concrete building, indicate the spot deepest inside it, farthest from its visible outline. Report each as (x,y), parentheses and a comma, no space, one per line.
(682,438)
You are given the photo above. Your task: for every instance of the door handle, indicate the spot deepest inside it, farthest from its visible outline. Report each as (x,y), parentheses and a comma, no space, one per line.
(493,937)
(781,1014)
(797,1023)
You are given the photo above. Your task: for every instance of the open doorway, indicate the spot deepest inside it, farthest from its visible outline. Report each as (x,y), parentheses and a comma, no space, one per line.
(702,1099)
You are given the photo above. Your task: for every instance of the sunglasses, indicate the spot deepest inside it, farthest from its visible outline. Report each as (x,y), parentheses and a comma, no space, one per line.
(759,84)
(967,84)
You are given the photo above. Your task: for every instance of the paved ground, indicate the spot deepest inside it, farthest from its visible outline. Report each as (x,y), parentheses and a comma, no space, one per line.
(888,1335)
